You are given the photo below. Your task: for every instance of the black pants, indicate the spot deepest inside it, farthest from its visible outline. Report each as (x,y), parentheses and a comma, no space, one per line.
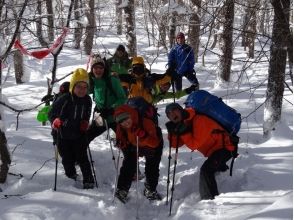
(216,162)
(72,152)
(129,166)
(178,80)
(94,130)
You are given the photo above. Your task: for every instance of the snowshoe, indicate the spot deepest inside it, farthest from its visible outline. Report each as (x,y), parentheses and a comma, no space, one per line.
(152,195)
(121,195)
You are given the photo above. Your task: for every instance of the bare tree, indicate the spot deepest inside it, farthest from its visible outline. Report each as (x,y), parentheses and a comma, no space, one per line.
(91,27)
(18,65)
(172,28)
(50,20)
(131,28)
(118,12)
(39,25)
(227,47)
(277,65)
(78,26)
(194,28)
(5,158)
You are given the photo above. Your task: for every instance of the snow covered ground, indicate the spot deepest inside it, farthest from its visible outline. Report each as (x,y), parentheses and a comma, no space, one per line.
(261,186)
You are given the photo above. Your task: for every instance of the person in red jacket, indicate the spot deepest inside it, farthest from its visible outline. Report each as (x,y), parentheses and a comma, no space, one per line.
(132,132)
(201,133)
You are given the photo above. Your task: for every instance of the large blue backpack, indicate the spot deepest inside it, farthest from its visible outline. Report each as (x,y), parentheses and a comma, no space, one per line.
(212,106)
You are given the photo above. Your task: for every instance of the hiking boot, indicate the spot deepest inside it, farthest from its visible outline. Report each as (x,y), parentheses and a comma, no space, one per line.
(152,195)
(88,185)
(73,176)
(121,195)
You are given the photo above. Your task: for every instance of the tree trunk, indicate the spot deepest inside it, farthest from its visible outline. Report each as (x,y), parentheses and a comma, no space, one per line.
(194,29)
(39,25)
(5,157)
(172,29)
(118,12)
(18,66)
(131,28)
(227,47)
(277,65)
(50,20)
(78,26)
(91,28)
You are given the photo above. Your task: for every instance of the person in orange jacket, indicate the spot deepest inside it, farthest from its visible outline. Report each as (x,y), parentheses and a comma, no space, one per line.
(201,133)
(131,128)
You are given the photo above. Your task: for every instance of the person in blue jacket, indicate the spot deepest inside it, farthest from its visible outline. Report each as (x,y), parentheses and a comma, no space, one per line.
(181,61)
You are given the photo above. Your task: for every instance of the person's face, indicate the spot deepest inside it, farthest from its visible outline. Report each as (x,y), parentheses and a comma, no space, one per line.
(80,89)
(98,71)
(180,40)
(127,123)
(175,115)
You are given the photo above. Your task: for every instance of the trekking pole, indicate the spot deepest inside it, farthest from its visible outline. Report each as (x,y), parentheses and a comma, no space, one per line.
(56,165)
(168,172)
(92,166)
(110,143)
(116,177)
(174,174)
(137,184)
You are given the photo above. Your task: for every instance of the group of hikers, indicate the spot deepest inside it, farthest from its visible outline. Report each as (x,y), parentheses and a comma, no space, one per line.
(116,83)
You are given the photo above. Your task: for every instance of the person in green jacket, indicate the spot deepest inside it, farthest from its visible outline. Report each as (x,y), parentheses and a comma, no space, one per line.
(120,63)
(107,95)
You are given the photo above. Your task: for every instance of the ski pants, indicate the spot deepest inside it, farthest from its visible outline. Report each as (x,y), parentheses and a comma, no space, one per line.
(72,152)
(178,80)
(94,130)
(129,166)
(215,163)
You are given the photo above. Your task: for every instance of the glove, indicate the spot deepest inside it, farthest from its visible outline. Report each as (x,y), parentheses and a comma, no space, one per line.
(140,133)
(191,89)
(170,71)
(170,126)
(47,98)
(177,129)
(57,123)
(84,125)
(105,112)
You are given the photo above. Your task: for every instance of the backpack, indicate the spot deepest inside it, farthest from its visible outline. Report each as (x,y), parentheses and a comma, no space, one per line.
(144,108)
(212,106)
(42,115)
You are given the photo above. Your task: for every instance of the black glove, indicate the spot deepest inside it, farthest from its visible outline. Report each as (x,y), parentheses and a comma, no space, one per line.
(105,112)
(191,89)
(47,98)
(177,129)
(171,127)
(170,71)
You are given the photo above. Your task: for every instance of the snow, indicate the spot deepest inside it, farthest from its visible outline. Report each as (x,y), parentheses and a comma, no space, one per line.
(261,186)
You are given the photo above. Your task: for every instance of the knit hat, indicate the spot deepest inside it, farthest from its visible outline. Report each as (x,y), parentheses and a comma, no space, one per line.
(97,60)
(180,35)
(121,48)
(138,60)
(172,106)
(121,117)
(79,75)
